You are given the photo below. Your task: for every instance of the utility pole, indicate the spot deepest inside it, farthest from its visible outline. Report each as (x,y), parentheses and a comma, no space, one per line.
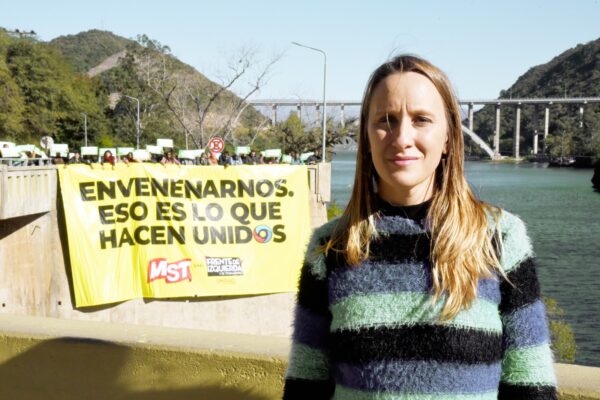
(84,129)
(324,95)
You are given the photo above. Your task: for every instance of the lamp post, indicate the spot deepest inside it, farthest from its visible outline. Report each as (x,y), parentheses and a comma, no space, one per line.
(324,92)
(137,134)
(84,128)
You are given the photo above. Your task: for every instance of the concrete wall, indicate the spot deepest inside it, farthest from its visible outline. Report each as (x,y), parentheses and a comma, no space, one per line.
(46,358)
(34,278)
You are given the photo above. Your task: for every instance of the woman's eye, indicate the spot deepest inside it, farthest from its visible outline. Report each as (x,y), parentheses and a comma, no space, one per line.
(386,119)
(422,119)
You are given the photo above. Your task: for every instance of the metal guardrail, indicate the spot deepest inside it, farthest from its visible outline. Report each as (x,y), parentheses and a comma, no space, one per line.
(25,162)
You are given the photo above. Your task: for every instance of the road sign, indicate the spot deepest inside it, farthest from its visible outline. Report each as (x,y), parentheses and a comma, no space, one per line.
(216,145)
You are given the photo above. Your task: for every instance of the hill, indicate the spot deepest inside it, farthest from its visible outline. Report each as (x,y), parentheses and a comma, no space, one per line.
(85,50)
(573,73)
(144,68)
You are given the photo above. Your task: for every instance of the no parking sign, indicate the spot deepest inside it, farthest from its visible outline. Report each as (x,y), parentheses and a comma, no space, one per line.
(216,145)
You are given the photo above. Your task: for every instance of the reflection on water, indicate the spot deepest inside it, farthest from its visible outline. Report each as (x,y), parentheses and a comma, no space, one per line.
(562,214)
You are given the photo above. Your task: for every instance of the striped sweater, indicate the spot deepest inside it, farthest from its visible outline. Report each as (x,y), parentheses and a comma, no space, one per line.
(372,332)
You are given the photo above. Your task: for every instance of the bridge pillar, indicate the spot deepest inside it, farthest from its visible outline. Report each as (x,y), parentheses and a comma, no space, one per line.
(274,114)
(535,142)
(342,117)
(497,133)
(299,110)
(546,124)
(318,109)
(471,116)
(581,116)
(517,135)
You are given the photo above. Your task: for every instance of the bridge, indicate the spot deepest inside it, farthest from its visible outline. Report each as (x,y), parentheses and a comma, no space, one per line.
(493,152)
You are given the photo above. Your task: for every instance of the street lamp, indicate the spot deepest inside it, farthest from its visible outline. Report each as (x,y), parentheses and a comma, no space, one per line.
(324,92)
(85,128)
(137,135)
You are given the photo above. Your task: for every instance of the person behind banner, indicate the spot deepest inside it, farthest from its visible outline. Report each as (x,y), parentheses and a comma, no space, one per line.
(76,159)
(314,158)
(225,159)
(212,159)
(296,160)
(108,158)
(129,158)
(419,290)
(252,158)
(169,158)
(56,160)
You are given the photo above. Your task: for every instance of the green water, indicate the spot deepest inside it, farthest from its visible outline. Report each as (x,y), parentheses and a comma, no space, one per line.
(562,214)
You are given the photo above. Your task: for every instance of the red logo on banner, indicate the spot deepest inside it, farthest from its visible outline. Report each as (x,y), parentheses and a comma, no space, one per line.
(173,272)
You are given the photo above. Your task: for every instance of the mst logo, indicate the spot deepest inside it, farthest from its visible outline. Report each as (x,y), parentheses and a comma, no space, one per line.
(171,272)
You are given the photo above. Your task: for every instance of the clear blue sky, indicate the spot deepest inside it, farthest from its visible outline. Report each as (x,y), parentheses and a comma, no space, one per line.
(484,46)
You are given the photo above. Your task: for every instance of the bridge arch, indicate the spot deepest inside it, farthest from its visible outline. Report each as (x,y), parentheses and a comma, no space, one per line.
(479,141)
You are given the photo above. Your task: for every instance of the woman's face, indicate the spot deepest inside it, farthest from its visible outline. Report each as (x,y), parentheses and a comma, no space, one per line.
(407,132)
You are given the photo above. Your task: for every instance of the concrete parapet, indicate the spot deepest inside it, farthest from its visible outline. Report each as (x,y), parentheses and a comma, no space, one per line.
(61,359)
(27,190)
(577,382)
(44,358)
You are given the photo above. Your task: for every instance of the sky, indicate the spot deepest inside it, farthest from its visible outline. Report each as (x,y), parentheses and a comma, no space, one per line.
(483,46)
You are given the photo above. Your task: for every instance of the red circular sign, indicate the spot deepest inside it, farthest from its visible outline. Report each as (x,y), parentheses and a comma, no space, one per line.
(216,145)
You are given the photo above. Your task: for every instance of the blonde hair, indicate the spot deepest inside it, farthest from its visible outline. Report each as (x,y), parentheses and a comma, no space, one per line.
(463,248)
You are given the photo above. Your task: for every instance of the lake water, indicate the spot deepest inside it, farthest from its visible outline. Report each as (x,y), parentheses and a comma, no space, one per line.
(562,213)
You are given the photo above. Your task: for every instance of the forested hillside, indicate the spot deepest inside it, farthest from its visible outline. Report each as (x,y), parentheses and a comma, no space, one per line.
(574,73)
(41,95)
(88,49)
(44,90)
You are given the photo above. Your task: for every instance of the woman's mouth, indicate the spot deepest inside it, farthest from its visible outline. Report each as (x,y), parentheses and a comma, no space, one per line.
(404,160)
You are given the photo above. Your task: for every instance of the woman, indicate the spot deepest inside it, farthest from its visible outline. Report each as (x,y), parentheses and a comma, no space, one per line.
(129,158)
(108,158)
(419,291)
(169,158)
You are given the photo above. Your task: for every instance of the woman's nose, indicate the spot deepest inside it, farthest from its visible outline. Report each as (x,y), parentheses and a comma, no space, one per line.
(404,133)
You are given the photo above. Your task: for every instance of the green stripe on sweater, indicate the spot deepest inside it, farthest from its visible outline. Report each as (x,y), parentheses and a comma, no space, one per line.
(308,363)
(345,393)
(530,366)
(409,308)
(516,246)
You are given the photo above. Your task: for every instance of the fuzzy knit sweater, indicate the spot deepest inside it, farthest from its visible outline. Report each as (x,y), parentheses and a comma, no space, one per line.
(372,331)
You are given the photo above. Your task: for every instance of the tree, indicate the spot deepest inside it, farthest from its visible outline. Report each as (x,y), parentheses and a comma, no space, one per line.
(12,106)
(561,333)
(292,135)
(52,97)
(202,108)
(128,79)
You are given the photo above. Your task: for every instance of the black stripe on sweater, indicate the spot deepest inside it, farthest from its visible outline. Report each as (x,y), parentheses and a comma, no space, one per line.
(514,392)
(312,292)
(418,342)
(398,248)
(525,288)
(303,389)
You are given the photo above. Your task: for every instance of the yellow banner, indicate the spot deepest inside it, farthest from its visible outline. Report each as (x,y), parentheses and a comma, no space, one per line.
(148,230)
